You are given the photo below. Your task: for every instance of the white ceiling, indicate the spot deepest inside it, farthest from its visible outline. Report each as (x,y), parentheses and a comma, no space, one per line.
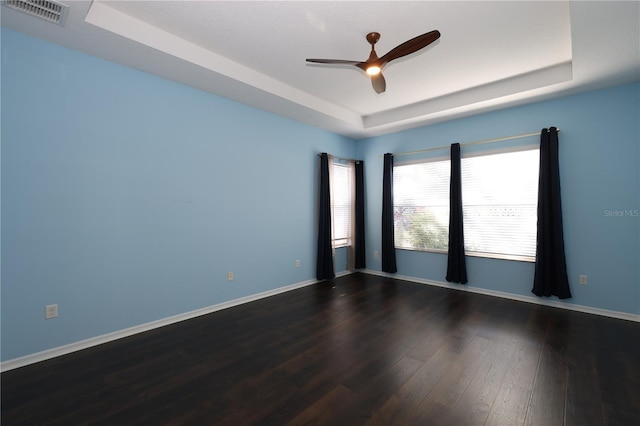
(490,55)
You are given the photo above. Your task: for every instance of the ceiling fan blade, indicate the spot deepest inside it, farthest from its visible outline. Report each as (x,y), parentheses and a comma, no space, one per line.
(411,46)
(333,61)
(378,82)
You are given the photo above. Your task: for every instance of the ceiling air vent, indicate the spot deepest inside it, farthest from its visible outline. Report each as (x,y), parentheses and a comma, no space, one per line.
(45,9)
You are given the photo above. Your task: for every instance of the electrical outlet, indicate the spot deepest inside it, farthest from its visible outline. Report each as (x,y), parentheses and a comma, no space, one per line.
(375,253)
(297,263)
(230,276)
(582,279)
(50,311)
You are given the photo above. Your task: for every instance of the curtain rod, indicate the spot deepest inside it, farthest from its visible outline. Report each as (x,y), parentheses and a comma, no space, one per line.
(341,158)
(506,138)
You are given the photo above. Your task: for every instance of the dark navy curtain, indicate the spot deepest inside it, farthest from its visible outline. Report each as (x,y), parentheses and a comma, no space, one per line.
(324,264)
(360,261)
(550,277)
(388,245)
(456,266)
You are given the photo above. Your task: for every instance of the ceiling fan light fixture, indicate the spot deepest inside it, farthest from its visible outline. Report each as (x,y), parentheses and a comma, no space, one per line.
(373,70)
(373,65)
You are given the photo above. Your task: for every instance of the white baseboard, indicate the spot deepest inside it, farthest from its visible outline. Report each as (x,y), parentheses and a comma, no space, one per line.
(105,338)
(98,340)
(343,273)
(529,299)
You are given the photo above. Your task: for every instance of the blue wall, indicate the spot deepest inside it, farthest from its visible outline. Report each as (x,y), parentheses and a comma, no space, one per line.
(126,198)
(599,155)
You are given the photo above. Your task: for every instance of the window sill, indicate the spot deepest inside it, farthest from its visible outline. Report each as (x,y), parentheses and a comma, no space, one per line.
(342,246)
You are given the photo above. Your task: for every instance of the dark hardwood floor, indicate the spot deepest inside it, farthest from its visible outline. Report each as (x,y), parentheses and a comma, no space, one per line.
(361,350)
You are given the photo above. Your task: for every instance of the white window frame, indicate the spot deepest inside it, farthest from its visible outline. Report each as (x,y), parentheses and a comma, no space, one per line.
(435,227)
(342,204)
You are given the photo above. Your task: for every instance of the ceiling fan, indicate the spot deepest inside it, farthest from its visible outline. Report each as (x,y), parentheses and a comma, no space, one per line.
(373,66)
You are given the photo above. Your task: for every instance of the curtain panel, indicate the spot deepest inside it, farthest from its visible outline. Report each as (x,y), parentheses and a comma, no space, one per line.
(456,265)
(359,238)
(550,277)
(324,263)
(388,245)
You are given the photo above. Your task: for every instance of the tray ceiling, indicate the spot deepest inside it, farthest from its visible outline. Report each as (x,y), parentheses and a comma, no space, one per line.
(491,54)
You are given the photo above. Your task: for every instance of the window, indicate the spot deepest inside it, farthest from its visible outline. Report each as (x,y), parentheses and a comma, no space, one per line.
(341,202)
(421,205)
(499,197)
